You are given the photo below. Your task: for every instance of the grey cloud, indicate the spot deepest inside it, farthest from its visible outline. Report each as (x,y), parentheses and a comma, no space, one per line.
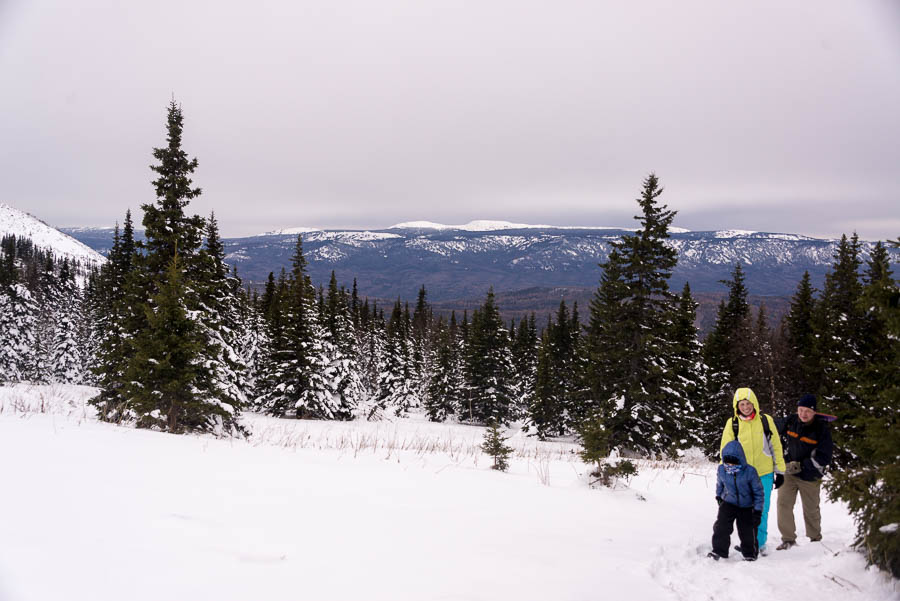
(363,114)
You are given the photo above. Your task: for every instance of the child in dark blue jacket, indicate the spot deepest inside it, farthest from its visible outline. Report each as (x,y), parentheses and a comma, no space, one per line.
(739,493)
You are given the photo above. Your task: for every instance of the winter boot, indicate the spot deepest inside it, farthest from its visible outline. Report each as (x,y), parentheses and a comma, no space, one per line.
(713,555)
(785,545)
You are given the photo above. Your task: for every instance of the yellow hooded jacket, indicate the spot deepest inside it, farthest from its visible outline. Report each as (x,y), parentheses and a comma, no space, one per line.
(765,456)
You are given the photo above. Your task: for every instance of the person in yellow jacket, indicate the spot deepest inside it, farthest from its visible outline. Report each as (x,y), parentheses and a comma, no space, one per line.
(763,452)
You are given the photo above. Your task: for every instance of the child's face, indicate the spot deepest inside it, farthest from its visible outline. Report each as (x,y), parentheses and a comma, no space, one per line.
(745,407)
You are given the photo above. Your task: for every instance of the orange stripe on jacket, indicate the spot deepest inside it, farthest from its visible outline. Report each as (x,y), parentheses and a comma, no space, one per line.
(803,438)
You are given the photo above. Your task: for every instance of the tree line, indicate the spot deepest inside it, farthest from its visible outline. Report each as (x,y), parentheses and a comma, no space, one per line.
(173,340)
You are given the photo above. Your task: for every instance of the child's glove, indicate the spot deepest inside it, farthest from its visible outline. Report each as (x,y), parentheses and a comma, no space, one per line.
(793,467)
(757,518)
(779,480)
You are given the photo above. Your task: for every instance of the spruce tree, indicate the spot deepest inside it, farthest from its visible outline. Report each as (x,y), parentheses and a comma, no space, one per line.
(446,384)
(396,391)
(870,482)
(489,366)
(295,378)
(556,380)
(689,395)
(67,362)
(219,316)
(605,344)
(839,323)
(635,398)
(798,360)
(18,337)
(495,446)
(167,228)
(114,308)
(525,362)
(726,351)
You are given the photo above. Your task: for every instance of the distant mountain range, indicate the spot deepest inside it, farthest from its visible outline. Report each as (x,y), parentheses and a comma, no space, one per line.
(530,266)
(455,262)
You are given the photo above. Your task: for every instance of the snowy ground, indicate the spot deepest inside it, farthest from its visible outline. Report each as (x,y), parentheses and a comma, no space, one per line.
(364,511)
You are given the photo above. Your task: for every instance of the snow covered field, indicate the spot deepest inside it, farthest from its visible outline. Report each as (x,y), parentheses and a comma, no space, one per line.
(407,510)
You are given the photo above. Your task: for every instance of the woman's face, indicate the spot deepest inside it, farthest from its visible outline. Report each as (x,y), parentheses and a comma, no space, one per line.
(745,407)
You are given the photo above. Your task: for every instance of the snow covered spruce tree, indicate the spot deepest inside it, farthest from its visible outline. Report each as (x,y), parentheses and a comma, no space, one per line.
(342,384)
(557,378)
(165,375)
(66,363)
(489,367)
(726,350)
(219,306)
(525,364)
(633,374)
(689,388)
(839,321)
(397,391)
(420,342)
(870,484)
(40,315)
(173,279)
(18,320)
(308,369)
(114,303)
(798,375)
(446,387)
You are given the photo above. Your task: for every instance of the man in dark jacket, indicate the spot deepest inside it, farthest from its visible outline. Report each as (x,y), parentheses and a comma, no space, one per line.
(807,453)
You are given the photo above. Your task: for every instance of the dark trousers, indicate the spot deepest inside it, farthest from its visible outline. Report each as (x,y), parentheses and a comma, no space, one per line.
(721,540)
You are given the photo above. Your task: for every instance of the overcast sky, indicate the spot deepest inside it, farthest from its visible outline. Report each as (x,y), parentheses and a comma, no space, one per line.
(764,115)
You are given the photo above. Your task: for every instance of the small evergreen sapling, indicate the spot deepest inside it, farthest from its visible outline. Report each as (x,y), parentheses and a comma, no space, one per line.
(595,449)
(494,446)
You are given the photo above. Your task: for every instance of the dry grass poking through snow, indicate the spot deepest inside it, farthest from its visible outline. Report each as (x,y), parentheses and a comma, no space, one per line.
(59,399)
(407,437)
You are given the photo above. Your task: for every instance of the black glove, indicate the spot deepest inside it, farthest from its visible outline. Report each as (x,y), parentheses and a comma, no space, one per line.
(719,500)
(757,518)
(779,480)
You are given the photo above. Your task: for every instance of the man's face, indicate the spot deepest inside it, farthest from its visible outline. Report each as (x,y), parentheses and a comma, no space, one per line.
(745,407)
(805,414)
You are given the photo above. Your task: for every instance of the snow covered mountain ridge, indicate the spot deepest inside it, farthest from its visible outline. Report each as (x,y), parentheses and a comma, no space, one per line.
(463,261)
(23,225)
(478,225)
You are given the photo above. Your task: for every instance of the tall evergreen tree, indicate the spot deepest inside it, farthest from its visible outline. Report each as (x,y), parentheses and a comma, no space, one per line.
(870,482)
(167,228)
(525,362)
(635,399)
(798,359)
(726,351)
(396,392)
(839,322)
(689,395)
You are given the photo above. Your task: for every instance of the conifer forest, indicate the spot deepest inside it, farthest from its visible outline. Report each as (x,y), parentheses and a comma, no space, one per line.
(174,341)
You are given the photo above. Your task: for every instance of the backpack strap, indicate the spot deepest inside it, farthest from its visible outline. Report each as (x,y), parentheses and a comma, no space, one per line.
(765,422)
